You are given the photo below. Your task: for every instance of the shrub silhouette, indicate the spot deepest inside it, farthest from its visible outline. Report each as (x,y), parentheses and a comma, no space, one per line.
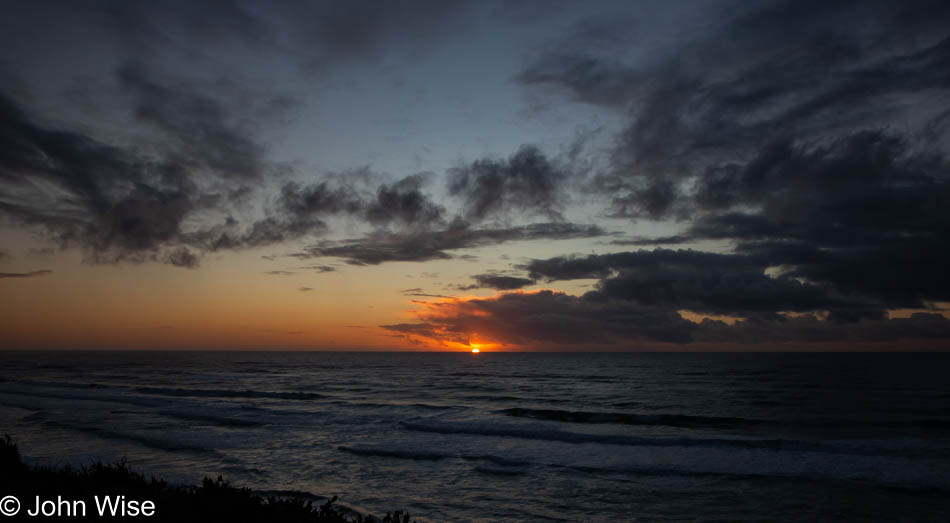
(214,500)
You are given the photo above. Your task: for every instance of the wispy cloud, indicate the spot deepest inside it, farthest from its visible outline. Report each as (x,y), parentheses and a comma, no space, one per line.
(24,274)
(384,246)
(497,282)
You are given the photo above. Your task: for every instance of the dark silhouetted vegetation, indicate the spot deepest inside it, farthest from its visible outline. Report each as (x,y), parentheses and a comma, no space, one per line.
(214,500)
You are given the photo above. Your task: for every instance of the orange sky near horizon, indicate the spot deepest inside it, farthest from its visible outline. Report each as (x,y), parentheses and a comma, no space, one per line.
(232,302)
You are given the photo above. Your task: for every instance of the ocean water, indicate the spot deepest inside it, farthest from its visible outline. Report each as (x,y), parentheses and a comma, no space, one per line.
(509,436)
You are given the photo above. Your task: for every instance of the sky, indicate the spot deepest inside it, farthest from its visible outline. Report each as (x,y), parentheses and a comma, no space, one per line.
(440,175)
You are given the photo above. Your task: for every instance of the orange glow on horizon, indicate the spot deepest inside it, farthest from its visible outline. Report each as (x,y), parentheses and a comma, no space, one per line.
(473,338)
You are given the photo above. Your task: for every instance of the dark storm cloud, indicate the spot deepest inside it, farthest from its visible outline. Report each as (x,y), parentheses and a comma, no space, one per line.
(547,318)
(417,246)
(810,329)
(865,214)
(24,274)
(605,265)
(498,282)
(736,290)
(698,281)
(789,70)
(527,181)
(853,226)
(810,135)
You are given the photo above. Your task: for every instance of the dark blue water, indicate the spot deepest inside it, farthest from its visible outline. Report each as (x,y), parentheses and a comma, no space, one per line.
(460,437)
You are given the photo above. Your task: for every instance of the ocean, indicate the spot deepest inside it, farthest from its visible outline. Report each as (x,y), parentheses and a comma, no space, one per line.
(511,436)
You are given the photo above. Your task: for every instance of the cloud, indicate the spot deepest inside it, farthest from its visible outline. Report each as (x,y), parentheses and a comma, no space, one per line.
(192,152)
(793,131)
(661,240)
(304,289)
(584,78)
(24,274)
(121,204)
(418,292)
(385,246)
(151,197)
(317,199)
(527,181)
(784,70)
(863,214)
(314,36)
(547,319)
(733,284)
(200,132)
(497,282)
(115,203)
(811,299)
(183,257)
(319,269)
(542,317)
(811,329)
(404,203)
(301,210)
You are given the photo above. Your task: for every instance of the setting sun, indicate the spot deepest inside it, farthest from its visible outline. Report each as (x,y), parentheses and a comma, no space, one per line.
(475,350)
